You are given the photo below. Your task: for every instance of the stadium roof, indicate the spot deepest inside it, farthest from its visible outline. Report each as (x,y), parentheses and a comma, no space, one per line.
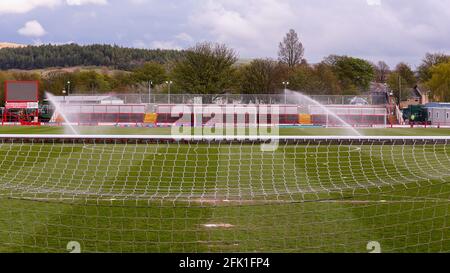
(438,105)
(85,98)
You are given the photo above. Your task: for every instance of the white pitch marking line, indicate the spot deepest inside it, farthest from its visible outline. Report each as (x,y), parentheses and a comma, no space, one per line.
(218,225)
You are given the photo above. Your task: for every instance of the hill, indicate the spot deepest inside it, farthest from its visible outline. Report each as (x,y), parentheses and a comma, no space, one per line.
(10,45)
(73,55)
(45,72)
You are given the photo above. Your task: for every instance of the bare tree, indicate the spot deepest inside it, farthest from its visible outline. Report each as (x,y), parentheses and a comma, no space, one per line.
(291,50)
(382,71)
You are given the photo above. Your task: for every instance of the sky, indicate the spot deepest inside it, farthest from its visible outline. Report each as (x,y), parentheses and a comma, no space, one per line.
(388,30)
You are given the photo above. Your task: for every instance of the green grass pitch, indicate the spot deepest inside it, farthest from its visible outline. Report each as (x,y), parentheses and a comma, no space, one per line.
(224,198)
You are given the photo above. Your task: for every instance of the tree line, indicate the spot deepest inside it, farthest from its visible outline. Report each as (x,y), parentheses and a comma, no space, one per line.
(44,56)
(209,68)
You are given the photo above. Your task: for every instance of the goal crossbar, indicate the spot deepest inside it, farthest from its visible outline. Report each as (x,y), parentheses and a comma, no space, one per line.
(261,138)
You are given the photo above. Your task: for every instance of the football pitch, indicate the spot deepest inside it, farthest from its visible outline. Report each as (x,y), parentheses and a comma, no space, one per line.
(305,196)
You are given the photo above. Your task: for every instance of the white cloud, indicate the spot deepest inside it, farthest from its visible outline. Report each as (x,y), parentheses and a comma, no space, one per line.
(23,6)
(85,2)
(184,37)
(246,25)
(32,29)
(139,44)
(138,2)
(393,31)
(157,45)
(374,2)
(165,45)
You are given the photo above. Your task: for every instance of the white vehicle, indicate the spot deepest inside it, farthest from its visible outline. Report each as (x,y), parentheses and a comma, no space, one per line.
(359,101)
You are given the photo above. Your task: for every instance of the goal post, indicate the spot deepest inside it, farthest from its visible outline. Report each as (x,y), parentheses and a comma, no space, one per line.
(224,194)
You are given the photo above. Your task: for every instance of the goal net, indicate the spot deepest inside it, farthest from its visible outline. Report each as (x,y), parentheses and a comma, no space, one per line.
(187,194)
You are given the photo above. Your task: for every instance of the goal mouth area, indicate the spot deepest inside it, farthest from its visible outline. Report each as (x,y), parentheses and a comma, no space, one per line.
(196,171)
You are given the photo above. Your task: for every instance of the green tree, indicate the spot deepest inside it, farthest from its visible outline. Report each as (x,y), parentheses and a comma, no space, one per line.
(353,73)
(303,78)
(3,78)
(328,82)
(90,82)
(122,81)
(430,60)
(56,81)
(439,83)
(263,76)
(407,74)
(150,72)
(37,57)
(206,69)
(315,80)
(394,83)
(401,80)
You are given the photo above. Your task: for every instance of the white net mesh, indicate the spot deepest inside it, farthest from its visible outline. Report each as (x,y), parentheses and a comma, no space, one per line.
(159,194)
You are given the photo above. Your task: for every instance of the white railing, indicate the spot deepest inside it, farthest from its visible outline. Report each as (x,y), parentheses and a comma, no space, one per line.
(399,115)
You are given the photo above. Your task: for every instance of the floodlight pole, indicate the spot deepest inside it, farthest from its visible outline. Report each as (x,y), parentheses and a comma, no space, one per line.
(400,90)
(68,88)
(169,83)
(285,92)
(150,91)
